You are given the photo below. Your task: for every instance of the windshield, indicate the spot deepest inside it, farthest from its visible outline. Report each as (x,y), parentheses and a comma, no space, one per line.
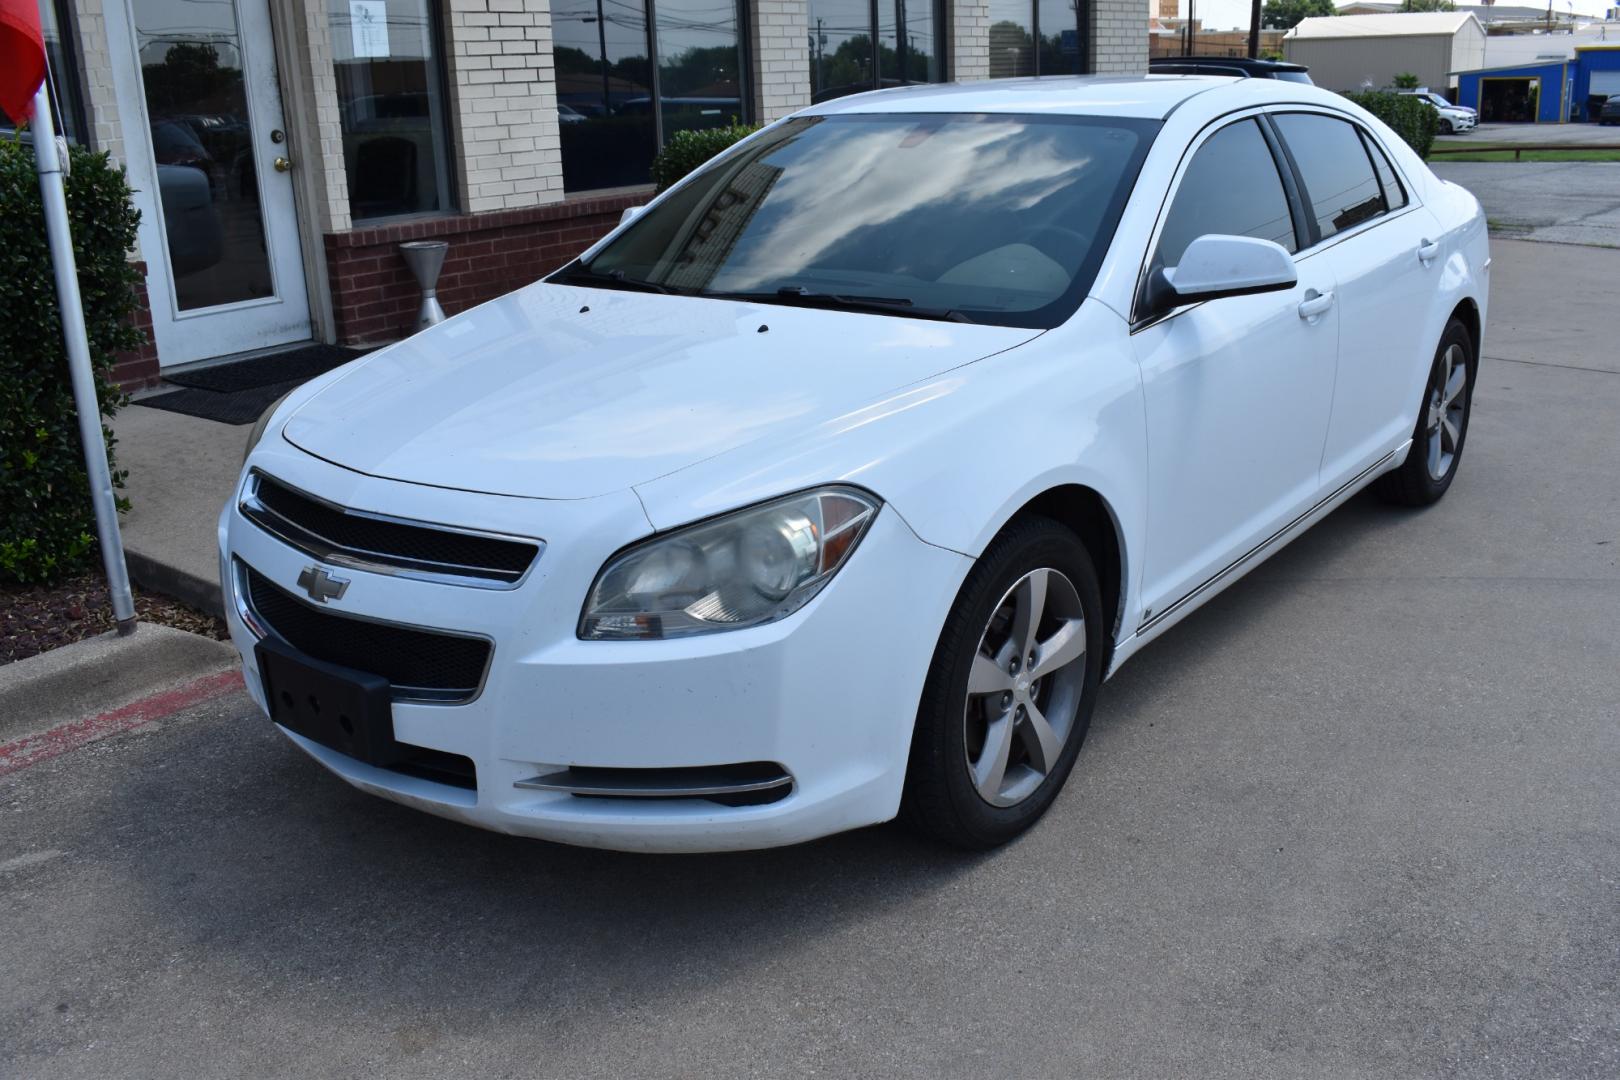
(1295,76)
(984,218)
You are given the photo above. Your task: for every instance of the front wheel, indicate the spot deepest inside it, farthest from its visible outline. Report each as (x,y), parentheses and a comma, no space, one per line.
(1010,691)
(1442,426)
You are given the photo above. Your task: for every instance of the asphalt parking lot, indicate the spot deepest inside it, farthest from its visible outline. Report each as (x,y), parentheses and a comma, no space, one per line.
(1356,818)
(1565,202)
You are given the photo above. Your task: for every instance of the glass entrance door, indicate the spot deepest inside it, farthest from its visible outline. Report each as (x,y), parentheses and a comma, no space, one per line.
(209,155)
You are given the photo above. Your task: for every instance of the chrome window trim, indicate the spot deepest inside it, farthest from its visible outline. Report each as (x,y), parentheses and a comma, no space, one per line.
(1413,201)
(242,601)
(328,551)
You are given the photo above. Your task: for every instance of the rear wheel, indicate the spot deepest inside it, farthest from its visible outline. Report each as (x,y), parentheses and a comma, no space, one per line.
(1442,426)
(1010,691)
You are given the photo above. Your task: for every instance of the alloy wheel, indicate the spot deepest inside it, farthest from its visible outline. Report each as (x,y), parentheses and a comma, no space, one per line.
(1025,687)
(1447,405)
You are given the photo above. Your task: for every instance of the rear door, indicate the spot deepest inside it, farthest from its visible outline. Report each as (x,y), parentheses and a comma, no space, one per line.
(1384,254)
(1237,390)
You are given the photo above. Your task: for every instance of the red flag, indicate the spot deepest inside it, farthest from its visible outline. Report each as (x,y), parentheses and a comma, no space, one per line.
(22,57)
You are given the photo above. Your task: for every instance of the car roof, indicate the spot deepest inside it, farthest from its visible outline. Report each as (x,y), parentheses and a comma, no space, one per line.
(1139,96)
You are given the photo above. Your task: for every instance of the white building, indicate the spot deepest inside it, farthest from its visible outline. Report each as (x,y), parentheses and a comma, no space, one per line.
(1354,52)
(282,149)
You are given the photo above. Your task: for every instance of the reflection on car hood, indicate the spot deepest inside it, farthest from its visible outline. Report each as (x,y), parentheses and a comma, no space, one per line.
(561,392)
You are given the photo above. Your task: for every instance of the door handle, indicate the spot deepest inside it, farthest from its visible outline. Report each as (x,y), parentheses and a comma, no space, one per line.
(1427,250)
(1314,304)
(282,164)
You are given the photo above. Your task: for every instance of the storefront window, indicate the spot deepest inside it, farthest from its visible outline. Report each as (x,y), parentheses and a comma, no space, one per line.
(613,109)
(390,87)
(909,45)
(63,65)
(1017,25)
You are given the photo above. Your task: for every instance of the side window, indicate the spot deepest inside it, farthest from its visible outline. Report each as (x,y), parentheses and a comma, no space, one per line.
(1340,188)
(1231,187)
(1394,194)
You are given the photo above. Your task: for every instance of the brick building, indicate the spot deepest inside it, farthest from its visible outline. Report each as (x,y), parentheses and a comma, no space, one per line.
(282,149)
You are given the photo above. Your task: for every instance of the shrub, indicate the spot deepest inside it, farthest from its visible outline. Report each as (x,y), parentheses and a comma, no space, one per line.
(47,525)
(1405,81)
(1411,117)
(687,150)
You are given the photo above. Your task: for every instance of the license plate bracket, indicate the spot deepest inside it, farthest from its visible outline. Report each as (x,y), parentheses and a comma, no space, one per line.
(342,709)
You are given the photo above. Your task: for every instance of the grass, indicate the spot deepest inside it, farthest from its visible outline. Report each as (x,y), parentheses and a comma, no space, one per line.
(1504,152)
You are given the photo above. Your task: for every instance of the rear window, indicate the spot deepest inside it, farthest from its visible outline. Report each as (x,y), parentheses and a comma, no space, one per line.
(1341,190)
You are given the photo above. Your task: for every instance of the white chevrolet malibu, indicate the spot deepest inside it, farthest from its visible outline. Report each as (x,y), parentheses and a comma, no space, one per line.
(832,485)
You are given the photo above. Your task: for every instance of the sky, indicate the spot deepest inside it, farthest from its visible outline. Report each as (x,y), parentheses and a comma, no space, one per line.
(1231,14)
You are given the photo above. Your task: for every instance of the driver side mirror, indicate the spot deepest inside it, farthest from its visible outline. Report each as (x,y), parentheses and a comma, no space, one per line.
(1216,266)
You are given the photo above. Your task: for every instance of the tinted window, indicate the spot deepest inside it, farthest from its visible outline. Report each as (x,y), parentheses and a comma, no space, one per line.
(1232,188)
(1001,218)
(1340,187)
(1394,194)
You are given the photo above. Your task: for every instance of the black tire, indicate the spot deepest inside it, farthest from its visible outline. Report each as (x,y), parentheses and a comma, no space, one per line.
(940,798)
(1414,483)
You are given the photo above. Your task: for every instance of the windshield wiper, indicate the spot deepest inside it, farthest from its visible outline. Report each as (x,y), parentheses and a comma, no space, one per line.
(580,274)
(799,296)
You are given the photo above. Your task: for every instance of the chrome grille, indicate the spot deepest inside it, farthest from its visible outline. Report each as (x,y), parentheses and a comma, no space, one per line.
(375,542)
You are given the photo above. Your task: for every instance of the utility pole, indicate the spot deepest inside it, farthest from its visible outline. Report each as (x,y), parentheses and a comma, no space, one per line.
(1254,29)
(48,163)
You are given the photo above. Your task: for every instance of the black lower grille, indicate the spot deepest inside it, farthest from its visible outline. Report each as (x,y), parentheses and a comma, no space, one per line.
(437,766)
(421,664)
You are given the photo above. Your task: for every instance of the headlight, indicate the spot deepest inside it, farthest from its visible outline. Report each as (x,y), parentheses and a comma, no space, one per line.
(261,425)
(749,567)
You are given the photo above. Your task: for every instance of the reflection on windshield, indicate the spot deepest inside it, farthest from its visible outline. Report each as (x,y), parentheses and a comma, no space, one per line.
(999,217)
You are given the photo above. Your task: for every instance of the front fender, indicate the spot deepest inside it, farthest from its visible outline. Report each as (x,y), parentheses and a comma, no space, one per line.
(957,455)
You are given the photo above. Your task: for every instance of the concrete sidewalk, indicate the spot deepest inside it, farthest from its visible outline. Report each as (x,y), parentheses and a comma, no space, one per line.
(181,471)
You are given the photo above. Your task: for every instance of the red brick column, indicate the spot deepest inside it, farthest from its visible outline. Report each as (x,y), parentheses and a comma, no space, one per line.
(138,368)
(375,298)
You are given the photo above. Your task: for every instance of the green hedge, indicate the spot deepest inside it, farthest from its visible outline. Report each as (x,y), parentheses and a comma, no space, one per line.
(47,526)
(1412,120)
(687,150)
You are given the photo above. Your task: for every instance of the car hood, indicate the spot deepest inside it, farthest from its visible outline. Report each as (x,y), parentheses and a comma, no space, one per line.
(568,393)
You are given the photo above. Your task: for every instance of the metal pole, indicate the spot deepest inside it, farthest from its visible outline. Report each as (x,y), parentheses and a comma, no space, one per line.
(49,165)
(1254,29)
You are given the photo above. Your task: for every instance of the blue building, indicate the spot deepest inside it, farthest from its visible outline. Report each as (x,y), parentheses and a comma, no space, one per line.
(1543,91)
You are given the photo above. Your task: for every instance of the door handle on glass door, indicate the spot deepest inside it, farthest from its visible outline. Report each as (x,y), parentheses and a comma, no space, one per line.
(1427,250)
(1314,304)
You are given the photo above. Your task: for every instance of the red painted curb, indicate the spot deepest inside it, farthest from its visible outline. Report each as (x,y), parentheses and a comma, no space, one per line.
(44,745)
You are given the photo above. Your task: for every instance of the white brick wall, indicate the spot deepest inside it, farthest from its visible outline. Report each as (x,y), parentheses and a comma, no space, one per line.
(101,100)
(505,101)
(327,180)
(781,73)
(969,21)
(1119,42)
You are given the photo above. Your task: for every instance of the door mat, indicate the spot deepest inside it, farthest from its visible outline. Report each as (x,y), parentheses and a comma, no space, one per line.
(239,392)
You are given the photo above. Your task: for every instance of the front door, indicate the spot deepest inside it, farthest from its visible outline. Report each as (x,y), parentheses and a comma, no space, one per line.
(207,152)
(1238,390)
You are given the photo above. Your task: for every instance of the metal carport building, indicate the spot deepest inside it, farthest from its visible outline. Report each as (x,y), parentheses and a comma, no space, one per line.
(1358,52)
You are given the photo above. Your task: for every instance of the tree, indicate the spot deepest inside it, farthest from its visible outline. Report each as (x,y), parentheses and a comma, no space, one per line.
(1406,81)
(1286,14)
(1430,5)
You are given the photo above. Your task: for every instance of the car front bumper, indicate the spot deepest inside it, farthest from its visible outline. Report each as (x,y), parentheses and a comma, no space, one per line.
(829,694)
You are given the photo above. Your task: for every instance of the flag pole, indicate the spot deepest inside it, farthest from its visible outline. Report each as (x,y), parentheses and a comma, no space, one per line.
(49,165)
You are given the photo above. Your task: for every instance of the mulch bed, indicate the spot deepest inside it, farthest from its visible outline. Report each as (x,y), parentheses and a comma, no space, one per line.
(35,618)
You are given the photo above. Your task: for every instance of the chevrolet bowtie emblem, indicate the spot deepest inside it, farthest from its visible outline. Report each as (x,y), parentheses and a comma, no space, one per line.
(320,585)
